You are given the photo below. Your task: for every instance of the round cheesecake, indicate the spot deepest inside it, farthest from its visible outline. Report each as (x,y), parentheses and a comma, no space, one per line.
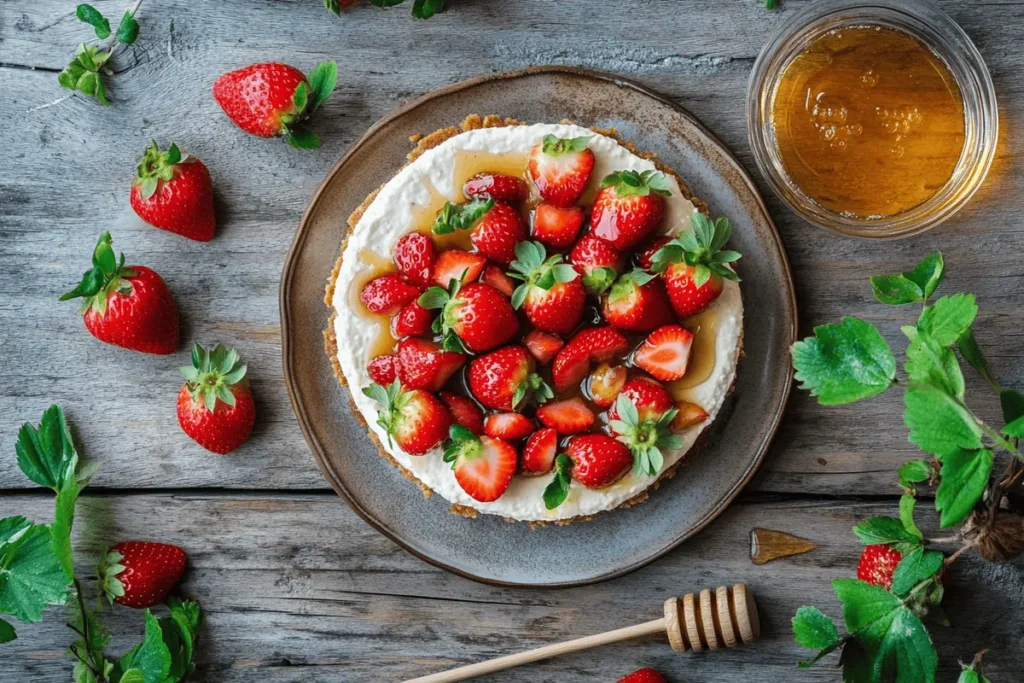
(436,175)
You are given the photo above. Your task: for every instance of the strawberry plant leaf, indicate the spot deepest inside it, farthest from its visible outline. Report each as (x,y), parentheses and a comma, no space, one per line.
(948,318)
(11,528)
(813,629)
(92,16)
(323,79)
(928,274)
(1012,403)
(883,531)
(906,653)
(844,363)
(151,658)
(7,632)
(424,9)
(964,476)
(971,352)
(917,566)
(915,471)
(179,631)
(938,423)
(303,139)
(863,604)
(31,578)
(907,505)
(558,490)
(896,290)
(929,362)
(47,455)
(128,29)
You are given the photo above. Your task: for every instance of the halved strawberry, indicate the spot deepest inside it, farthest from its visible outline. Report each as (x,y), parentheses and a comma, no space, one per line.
(552,293)
(637,302)
(560,168)
(422,364)
(629,207)
(665,354)
(495,277)
(555,226)
(415,256)
(508,426)
(570,416)
(542,345)
(497,186)
(455,264)
(416,420)
(476,317)
(598,460)
(496,227)
(383,369)
(689,415)
(385,295)
(539,452)
(595,344)
(605,384)
(464,412)
(694,264)
(504,380)
(412,321)
(484,466)
(598,262)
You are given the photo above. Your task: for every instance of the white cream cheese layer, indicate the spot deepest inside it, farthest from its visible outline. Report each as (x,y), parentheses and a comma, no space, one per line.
(391,214)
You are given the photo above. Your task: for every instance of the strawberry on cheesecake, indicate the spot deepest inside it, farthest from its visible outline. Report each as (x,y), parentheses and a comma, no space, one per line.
(551,336)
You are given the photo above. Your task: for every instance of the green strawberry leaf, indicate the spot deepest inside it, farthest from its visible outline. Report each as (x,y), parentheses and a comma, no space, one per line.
(863,604)
(844,363)
(47,455)
(906,653)
(914,286)
(303,139)
(948,318)
(965,474)
(907,504)
(884,531)
(971,352)
(915,471)
(1012,403)
(928,274)
(7,632)
(92,16)
(179,632)
(813,629)
(931,363)
(151,659)
(938,423)
(918,565)
(424,9)
(558,490)
(31,577)
(128,29)
(323,79)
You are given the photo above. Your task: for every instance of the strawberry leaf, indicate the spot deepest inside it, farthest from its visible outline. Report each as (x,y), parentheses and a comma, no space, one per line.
(556,146)
(323,79)
(47,455)
(886,531)
(31,577)
(558,490)
(918,565)
(948,318)
(151,659)
(303,139)
(7,632)
(813,630)
(931,363)
(915,471)
(461,216)
(907,505)
(939,424)
(424,9)
(965,474)
(913,286)
(844,363)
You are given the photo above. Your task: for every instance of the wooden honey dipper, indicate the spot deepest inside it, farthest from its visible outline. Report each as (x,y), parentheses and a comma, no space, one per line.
(704,621)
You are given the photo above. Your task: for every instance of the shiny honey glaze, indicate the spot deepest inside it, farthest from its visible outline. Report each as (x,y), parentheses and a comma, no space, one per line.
(868,121)
(767,545)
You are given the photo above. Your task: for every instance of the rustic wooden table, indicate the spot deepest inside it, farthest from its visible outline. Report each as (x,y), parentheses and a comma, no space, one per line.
(294,585)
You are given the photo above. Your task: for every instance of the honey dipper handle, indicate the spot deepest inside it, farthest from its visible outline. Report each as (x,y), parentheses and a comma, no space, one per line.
(463,673)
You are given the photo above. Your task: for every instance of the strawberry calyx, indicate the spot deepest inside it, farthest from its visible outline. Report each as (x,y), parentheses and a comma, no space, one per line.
(701,248)
(632,183)
(557,491)
(646,438)
(109,569)
(212,374)
(107,276)
(307,98)
(446,301)
(461,216)
(462,445)
(156,166)
(533,389)
(534,269)
(392,399)
(599,279)
(556,146)
(628,283)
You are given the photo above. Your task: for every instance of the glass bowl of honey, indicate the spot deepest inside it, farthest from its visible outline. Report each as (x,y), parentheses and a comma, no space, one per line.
(872,119)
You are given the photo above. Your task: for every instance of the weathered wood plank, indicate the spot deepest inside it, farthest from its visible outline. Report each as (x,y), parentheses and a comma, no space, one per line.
(298,588)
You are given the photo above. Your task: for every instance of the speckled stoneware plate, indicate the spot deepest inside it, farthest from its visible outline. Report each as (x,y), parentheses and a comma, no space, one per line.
(488,548)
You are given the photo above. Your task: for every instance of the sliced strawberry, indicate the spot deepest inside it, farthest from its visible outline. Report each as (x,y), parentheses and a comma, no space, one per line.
(464,412)
(542,345)
(595,344)
(422,364)
(385,295)
(665,354)
(476,317)
(637,302)
(629,207)
(455,264)
(557,227)
(383,369)
(539,452)
(598,460)
(412,321)
(484,466)
(415,256)
(694,264)
(605,384)
(416,420)
(508,426)
(689,415)
(598,262)
(560,168)
(495,277)
(552,293)
(570,416)
(496,186)
(643,257)
(504,380)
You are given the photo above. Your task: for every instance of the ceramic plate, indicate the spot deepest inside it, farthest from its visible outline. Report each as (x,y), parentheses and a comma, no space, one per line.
(488,548)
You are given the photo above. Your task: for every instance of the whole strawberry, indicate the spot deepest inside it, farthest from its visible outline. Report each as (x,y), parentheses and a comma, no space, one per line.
(598,262)
(215,405)
(642,420)
(552,293)
(476,317)
(174,193)
(416,420)
(140,573)
(636,302)
(877,564)
(496,227)
(560,168)
(693,265)
(128,306)
(504,380)
(647,675)
(272,99)
(629,207)
(598,460)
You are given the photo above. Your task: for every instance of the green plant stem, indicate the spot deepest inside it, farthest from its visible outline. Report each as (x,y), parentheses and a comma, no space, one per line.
(84,633)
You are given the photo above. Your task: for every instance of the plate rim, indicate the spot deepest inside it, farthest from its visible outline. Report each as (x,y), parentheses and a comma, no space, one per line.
(302,231)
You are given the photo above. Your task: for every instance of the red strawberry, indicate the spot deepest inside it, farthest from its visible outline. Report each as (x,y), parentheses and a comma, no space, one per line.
(644,255)
(483,466)
(641,418)
(422,364)
(175,193)
(570,416)
(560,168)
(272,99)
(455,264)
(141,573)
(637,302)
(643,676)
(464,412)
(557,227)
(128,306)
(629,207)
(665,354)
(496,186)
(496,227)
(542,345)
(694,264)
(552,293)
(605,384)
(591,345)
(383,369)
(495,277)
(649,397)
(415,256)
(508,426)
(476,317)
(689,415)
(416,420)
(388,293)
(412,321)
(539,452)
(503,380)
(877,564)
(215,406)
(598,460)
(598,262)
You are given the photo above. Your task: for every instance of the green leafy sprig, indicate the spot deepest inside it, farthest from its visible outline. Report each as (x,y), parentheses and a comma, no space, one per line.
(421,9)
(535,269)
(85,72)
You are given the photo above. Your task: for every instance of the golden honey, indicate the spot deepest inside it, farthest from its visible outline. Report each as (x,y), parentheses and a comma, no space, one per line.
(868,121)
